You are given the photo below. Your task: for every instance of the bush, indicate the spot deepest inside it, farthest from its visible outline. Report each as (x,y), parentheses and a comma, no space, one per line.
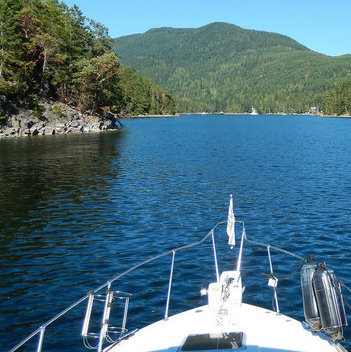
(2,116)
(37,108)
(57,110)
(38,111)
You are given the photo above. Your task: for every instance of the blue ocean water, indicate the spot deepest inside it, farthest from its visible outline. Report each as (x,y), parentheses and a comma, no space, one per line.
(77,210)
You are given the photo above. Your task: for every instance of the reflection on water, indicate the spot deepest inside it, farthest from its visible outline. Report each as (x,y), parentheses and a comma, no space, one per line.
(50,201)
(36,171)
(76,210)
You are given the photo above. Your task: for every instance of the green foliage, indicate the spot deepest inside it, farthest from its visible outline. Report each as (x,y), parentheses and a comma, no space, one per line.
(37,108)
(57,110)
(11,57)
(141,96)
(48,50)
(2,116)
(338,100)
(222,67)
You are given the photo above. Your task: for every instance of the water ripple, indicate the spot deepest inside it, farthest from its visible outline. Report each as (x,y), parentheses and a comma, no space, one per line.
(77,210)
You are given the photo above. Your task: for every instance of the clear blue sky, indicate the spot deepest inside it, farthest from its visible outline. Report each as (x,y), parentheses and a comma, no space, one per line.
(321,25)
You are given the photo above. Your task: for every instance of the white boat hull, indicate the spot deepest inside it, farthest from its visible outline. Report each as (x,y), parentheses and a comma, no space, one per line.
(264,330)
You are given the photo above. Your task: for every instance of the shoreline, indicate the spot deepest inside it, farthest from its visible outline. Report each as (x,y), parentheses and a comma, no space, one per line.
(59,118)
(150,115)
(54,118)
(259,114)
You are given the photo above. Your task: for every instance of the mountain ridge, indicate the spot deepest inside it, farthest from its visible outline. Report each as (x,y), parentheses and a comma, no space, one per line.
(223,67)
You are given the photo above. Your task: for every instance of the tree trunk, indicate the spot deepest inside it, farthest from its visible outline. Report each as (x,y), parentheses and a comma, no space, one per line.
(43,88)
(2,53)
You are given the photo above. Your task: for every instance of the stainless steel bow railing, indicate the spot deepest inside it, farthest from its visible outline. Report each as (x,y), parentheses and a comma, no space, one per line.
(103,335)
(41,330)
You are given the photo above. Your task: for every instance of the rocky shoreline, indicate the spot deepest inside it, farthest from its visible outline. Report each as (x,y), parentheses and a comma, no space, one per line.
(54,118)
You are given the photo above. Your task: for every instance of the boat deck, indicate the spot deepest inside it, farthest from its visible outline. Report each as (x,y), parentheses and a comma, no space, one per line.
(262,331)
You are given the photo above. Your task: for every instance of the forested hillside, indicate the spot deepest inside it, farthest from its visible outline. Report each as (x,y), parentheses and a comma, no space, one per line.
(337,101)
(222,67)
(51,51)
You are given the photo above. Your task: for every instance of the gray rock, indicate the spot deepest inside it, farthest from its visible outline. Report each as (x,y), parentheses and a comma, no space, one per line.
(48,131)
(22,122)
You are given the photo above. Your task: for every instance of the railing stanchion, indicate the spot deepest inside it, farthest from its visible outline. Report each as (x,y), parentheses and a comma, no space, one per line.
(41,339)
(215,255)
(124,323)
(88,314)
(105,317)
(275,284)
(169,285)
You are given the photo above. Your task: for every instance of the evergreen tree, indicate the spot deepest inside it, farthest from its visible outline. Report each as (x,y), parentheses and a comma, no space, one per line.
(221,67)
(48,50)
(11,58)
(338,100)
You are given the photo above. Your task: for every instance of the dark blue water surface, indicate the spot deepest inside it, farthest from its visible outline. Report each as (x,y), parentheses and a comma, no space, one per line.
(77,210)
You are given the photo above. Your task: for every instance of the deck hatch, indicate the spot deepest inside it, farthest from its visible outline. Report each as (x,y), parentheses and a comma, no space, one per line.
(205,342)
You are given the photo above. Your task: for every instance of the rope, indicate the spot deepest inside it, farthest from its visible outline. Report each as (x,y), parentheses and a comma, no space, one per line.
(347,302)
(285,276)
(343,285)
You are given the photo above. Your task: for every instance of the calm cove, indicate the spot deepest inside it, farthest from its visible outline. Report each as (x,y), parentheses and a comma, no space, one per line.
(75,210)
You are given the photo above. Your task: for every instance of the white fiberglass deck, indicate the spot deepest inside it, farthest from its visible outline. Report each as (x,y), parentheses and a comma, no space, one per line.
(264,331)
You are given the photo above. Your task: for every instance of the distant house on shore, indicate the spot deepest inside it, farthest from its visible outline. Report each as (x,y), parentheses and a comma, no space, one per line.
(314,110)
